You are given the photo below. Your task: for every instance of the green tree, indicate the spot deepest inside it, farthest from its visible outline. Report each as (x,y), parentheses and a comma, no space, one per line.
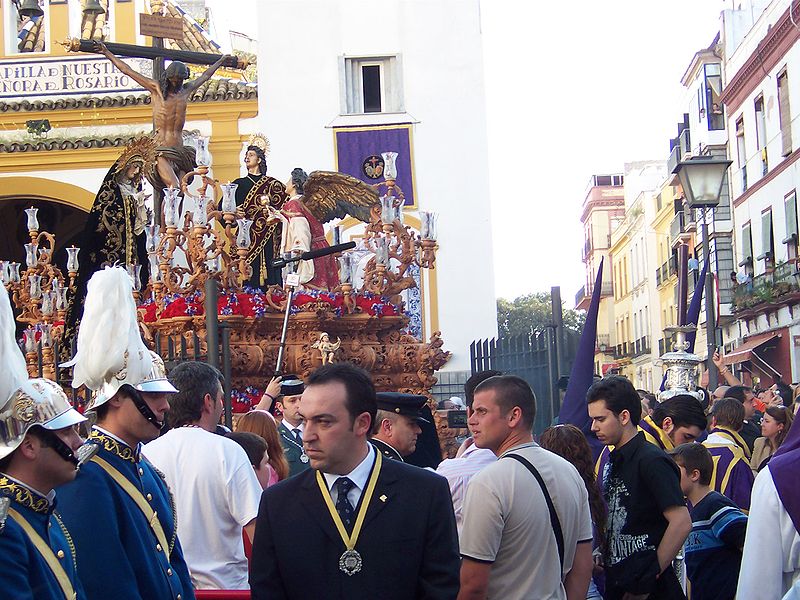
(531,314)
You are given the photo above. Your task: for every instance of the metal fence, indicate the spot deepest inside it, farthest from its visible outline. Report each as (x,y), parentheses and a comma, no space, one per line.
(540,359)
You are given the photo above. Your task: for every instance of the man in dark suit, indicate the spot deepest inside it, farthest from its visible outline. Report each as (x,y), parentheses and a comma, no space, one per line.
(354,525)
(397,424)
(291,426)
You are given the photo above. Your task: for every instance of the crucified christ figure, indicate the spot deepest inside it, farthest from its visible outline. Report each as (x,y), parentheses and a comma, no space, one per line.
(169,97)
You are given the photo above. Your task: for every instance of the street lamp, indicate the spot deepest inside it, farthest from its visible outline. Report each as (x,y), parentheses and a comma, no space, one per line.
(701,178)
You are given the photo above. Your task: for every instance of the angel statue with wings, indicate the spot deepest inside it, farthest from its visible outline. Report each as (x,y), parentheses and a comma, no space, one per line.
(313,200)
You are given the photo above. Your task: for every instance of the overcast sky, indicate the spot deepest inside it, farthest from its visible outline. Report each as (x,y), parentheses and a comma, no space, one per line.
(573,88)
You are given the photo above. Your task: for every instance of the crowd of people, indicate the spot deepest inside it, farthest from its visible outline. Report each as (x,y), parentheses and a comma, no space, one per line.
(311,497)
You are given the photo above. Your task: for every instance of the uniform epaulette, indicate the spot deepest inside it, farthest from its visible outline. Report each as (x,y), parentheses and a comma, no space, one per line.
(5,503)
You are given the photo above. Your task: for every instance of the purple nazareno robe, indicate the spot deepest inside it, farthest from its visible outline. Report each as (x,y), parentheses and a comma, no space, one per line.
(732,475)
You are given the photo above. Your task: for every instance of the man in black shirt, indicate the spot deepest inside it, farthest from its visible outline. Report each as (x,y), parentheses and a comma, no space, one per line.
(647,516)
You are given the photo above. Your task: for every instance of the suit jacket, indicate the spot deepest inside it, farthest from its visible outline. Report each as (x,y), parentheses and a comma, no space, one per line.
(291,451)
(408,543)
(386,450)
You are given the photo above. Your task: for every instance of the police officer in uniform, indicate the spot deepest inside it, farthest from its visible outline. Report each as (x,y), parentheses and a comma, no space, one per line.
(397,424)
(38,445)
(291,427)
(119,510)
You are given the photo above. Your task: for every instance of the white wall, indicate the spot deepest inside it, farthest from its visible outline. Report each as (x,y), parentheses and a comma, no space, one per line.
(300,42)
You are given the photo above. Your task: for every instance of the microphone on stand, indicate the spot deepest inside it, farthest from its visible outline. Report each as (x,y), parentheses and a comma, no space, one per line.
(311,254)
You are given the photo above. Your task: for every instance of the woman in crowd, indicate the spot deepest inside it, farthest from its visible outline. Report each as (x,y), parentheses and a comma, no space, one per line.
(774,427)
(263,424)
(569,443)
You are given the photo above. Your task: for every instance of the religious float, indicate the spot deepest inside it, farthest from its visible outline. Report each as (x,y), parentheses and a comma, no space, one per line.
(202,255)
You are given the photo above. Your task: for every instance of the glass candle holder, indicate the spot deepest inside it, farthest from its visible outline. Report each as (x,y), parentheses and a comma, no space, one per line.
(243,235)
(389,165)
(33,220)
(428,228)
(229,197)
(72,258)
(31,255)
(172,202)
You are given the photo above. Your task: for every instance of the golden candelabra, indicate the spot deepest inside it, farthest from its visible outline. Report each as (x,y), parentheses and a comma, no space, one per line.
(396,246)
(39,294)
(198,242)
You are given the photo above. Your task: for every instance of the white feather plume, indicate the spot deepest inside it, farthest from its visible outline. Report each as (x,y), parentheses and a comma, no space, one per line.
(13,372)
(108,330)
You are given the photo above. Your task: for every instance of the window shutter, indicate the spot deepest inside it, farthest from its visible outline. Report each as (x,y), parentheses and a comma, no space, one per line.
(784,113)
(790,208)
(766,234)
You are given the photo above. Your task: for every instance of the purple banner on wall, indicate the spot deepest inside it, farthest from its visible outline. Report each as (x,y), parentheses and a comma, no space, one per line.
(359,153)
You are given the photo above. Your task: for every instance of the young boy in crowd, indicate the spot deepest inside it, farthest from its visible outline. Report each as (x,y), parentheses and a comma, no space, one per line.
(714,548)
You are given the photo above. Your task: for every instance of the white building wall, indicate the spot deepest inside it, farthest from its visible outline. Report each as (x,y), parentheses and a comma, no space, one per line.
(439,43)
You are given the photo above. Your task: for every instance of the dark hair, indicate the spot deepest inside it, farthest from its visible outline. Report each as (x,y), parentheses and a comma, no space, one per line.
(569,443)
(262,165)
(254,445)
(785,392)
(738,392)
(511,391)
(474,381)
(684,410)
(647,397)
(619,394)
(728,412)
(175,69)
(784,416)
(694,457)
(299,178)
(194,380)
(360,389)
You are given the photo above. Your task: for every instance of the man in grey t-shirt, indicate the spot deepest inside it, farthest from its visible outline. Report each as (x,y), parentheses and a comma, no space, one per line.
(508,542)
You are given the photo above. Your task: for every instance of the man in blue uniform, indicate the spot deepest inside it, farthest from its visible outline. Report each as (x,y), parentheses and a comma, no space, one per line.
(119,510)
(38,441)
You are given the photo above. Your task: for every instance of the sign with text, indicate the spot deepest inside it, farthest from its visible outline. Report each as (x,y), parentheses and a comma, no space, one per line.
(161,27)
(62,77)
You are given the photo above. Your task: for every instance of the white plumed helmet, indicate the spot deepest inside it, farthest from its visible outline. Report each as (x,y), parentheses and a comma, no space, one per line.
(110,351)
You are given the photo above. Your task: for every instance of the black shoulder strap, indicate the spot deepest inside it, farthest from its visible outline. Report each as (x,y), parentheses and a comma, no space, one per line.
(554,522)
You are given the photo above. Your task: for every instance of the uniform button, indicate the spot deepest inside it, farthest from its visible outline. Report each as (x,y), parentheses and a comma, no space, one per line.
(158,547)
(169,572)
(60,554)
(141,471)
(178,597)
(149,497)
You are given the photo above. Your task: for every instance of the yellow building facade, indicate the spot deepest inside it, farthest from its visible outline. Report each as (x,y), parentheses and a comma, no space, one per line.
(65,118)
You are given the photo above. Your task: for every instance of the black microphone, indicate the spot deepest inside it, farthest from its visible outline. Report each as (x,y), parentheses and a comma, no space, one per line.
(282,262)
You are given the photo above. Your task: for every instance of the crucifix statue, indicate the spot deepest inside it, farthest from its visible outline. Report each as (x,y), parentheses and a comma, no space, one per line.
(169,97)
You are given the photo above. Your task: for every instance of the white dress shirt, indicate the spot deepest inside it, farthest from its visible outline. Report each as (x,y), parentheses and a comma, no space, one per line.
(358,476)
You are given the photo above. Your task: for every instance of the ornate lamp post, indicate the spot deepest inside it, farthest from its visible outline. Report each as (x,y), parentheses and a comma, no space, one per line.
(701,178)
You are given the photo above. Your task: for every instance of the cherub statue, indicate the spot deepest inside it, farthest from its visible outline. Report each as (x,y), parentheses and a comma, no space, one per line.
(313,200)
(326,347)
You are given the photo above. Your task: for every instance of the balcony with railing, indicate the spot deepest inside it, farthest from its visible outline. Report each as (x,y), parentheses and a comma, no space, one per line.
(584,295)
(768,291)
(641,346)
(603,343)
(681,149)
(683,222)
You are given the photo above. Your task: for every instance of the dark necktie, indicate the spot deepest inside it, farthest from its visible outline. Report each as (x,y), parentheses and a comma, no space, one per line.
(343,506)
(298,438)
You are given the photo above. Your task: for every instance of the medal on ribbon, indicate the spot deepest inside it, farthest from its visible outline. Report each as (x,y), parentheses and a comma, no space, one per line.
(350,561)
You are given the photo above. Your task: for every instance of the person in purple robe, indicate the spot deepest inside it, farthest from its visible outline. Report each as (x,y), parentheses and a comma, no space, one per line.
(732,475)
(771,559)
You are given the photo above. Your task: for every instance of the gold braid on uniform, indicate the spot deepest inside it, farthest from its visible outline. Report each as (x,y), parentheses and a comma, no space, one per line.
(171,503)
(68,537)
(24,496)
(109,444)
